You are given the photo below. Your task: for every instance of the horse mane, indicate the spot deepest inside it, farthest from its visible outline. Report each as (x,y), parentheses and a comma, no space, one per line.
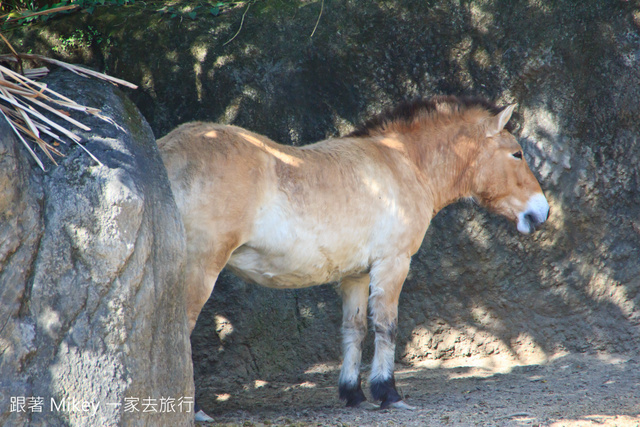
(408,112)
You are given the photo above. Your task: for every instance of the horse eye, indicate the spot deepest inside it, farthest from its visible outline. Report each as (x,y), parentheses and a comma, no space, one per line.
(517,155)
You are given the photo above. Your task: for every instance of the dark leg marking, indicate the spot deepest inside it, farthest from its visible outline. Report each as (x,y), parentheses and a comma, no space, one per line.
(383,387)
(353,395)
(385,391)
(387,332)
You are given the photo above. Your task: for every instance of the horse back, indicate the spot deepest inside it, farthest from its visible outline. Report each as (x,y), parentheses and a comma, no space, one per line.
(219,179)
(295,216)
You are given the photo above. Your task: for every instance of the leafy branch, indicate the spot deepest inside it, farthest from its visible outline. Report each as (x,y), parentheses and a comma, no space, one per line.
(24,15)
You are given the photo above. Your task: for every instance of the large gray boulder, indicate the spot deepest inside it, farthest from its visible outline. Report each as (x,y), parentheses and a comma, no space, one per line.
(91,257)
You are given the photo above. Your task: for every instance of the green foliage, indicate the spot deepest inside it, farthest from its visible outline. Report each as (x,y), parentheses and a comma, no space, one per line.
(20,12)
(19,5)
(191,11)
(29,11)
(82,38)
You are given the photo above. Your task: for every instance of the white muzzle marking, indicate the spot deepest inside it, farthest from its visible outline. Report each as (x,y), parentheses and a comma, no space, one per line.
(535,213)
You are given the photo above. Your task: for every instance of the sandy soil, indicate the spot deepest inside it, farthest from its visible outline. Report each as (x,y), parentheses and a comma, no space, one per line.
(566,390)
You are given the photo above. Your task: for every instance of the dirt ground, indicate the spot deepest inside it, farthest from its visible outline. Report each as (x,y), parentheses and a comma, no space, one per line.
(566,390)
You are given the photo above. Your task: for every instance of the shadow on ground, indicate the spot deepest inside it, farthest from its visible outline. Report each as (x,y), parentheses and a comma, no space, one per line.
(569,389)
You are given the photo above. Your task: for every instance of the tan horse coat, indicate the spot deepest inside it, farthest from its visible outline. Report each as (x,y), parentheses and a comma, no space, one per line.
(352,209)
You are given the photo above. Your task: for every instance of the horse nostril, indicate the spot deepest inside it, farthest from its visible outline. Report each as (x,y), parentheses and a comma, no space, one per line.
(531,220)
(534,215)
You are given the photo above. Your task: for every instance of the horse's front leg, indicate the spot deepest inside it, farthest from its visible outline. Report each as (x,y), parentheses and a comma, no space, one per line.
(387,277)
(355,292)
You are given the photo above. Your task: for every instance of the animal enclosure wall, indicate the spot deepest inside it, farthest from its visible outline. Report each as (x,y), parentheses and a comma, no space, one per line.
(476,287)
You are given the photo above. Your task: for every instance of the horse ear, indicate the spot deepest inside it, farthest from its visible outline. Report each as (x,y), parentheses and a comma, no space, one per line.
(496,123)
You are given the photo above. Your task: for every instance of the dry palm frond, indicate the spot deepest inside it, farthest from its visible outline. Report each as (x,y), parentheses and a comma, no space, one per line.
(20,94)
(13,17)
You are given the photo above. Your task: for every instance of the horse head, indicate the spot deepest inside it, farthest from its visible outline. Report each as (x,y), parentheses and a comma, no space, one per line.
(503,181)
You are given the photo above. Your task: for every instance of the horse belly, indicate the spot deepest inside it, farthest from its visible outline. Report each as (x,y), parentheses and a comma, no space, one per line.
(286,252)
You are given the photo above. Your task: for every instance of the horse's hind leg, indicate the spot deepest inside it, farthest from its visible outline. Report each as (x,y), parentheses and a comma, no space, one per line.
(355,292)
(200,281)
(387,277)
(202,273)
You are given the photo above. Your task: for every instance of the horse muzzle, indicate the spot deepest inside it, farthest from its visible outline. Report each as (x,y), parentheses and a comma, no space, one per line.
(534,215)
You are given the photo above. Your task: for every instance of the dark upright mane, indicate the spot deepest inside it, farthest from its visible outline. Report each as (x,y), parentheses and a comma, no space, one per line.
(407,111)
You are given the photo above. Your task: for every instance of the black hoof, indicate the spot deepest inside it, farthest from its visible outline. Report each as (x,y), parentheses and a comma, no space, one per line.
(385,391)
(386,404)
(353,395)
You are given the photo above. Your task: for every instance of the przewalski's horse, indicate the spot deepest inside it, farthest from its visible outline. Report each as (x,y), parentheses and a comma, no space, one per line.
(352,209)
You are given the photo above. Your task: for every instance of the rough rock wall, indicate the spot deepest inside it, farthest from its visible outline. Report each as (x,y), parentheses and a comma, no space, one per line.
(476,286)
(91,307)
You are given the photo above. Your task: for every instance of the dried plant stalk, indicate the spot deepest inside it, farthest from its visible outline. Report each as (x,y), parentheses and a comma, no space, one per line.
(20,94)
(42,12)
